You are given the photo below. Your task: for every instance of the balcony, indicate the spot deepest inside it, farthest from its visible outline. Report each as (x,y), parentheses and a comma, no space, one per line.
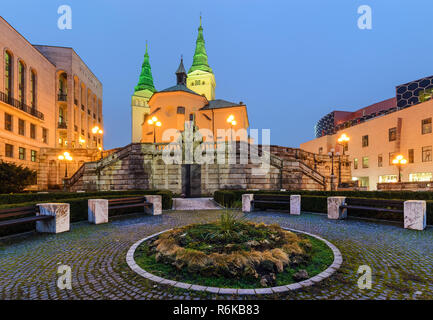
(76,102)
(21,106)
(62,97)
(62,125)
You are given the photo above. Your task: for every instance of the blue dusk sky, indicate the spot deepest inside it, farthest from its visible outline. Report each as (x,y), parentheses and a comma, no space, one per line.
(291,62)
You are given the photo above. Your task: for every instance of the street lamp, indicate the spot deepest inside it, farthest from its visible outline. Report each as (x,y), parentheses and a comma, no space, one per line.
(332,153)
(399,161)
(343,140)
(155,123)
(98,131)
(232,121)
(65,157)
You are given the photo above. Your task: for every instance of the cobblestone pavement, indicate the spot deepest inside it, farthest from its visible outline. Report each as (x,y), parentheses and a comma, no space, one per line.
(401,260)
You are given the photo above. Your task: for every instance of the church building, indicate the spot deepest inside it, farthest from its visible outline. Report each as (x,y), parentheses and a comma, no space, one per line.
(191,99)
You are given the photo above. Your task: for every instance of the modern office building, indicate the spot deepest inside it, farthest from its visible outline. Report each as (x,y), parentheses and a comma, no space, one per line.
(49,103)
(378,133)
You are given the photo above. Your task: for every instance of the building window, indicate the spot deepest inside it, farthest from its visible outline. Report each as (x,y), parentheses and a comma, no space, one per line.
(388,178)
(61,116)
(420,176)
(21,127)
(391,157)
(379,160)
(365,141)
(411,156)
(8,122)
(22,153)
(392,134)
(180,110)
(44,135)
(426,126)
(33,155)
(365,162)
(21,82)
(426,154)
(197,82)
(355,163)
(9,150)
(33,89)
(8,74)
(32,131)
(320,150)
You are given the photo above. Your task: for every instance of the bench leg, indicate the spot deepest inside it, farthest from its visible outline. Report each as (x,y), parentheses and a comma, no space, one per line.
(334,210)
(60,222)
(295,204)
(157,205)
(97,211)
(246,202)
(415,215)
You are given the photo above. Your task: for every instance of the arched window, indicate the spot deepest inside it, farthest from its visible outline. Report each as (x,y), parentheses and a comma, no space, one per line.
(33,88)
(8,75)
(63,88)
(21,82)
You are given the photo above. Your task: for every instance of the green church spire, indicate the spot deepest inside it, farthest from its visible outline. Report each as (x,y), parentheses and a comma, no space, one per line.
(200,56)
(146,79)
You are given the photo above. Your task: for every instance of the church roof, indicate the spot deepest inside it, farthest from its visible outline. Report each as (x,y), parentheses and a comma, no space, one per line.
(181,68)
(179,87)
(199,61)
(219,103)
(146,80)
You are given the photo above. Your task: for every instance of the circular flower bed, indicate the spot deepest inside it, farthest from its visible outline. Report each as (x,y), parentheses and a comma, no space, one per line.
(233,253)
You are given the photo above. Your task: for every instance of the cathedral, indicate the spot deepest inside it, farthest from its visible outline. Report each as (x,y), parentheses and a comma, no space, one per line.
(191,99)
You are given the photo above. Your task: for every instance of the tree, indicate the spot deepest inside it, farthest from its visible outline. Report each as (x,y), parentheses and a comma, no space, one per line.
(15,178)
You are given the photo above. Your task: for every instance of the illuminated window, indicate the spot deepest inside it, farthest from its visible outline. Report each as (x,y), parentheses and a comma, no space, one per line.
(365,162)
(365,141)
(392,134)
(379,160)
(33,155)
(426,126)
(411,155)
(44,135)
(21,82)
(8,74)
(33,89)
(420,176)
(391,157)
(355,163)
(22,153)
(388,178)
(426,154)
(320,150)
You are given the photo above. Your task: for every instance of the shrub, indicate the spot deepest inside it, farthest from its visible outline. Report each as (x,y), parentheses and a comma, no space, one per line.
(15,178)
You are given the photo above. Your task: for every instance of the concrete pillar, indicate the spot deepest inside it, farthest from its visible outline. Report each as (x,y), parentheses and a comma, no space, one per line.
(61,220)
(157,205)
(334,211)
(415,214)
(246,202)
(97,211)
(295,204)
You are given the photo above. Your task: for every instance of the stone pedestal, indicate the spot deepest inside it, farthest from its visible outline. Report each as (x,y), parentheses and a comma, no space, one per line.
(295,204)
(157,205)
(334,211)
(415,214)
(60,222)
(246,202)
(97,211)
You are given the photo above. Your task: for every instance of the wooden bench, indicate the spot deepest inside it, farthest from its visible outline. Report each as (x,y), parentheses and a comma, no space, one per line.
(264,199)
(394,206)
(22,214)
(133,202)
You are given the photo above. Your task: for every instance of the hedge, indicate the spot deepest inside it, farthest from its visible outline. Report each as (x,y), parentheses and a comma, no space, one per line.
(78,205)
(316,201)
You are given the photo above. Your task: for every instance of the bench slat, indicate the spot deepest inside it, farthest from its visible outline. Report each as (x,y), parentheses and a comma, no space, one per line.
(270,201)
(11,210)
(24,220)
(371,208)
(126,199)
(143,204)
(373,202)
(17,214)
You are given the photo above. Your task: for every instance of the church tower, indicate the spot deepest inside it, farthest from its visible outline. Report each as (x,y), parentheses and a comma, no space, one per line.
(200,76)
(142,93)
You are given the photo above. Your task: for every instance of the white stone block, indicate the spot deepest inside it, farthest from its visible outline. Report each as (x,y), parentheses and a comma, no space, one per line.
(334,211)
(295,204)
(415,214)
(60,222)
(157,205)
(97,211)
(246,202)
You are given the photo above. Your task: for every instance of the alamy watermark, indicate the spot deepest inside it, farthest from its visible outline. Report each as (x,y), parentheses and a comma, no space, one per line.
(365,21)
(64,22)
(64,281)
(364,281)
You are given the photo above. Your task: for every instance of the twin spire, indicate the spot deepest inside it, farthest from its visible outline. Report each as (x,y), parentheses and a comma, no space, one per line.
(200,62)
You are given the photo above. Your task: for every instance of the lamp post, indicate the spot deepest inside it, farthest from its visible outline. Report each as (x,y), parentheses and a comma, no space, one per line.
(343,140)
(155,123)
(332,153)
(232,121)
(399,161)
(65,157)
(98,131)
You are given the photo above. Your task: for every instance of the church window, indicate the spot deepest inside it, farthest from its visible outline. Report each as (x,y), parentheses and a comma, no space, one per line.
(197,82)
(192,83)
(180,110)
